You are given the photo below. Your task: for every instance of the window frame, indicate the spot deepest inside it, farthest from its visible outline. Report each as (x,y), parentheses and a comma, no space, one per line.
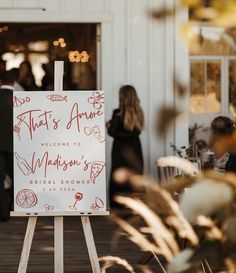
(206,118)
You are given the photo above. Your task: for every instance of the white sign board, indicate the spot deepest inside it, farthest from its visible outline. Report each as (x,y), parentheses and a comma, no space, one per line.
(59,151)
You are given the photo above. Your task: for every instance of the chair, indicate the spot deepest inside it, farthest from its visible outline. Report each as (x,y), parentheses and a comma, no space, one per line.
(166,174)
(170,167)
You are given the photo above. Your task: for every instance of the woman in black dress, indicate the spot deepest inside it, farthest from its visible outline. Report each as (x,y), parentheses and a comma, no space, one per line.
(125,127)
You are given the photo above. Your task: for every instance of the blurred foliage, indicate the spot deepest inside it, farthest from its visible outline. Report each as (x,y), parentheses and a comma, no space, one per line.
(156,224)
(165,118)
(214,12)
(208,12)
(205,241)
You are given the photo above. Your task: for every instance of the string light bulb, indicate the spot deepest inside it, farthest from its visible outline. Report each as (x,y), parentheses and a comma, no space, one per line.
(3,28)
(59,42)
(76,56)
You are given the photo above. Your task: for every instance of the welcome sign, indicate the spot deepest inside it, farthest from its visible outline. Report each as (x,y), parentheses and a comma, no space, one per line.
(59,151)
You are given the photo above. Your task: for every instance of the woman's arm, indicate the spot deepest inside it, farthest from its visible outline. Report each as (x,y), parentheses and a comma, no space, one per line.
(113,124)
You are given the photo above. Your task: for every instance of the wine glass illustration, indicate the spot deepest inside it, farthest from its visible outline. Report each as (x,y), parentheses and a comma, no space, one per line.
(98,204)
(78,196)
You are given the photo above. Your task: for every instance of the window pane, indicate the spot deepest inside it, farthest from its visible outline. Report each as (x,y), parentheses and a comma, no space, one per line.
(232,86)
(205,87)
(213,98)
(197,87)
(212,40)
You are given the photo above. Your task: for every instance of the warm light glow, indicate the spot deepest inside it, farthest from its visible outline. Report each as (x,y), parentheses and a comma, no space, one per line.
(13,59)
(55,43)
(37,59)
(38,45)
(76,56)
(63,45)
(5,28)
(85,57)
(61,40)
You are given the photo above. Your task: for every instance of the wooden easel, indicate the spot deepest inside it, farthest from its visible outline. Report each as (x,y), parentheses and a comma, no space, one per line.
(58,240)
(58,218)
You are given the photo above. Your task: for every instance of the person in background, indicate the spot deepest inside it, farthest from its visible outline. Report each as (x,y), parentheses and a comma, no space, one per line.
(15,75)
(222,128)
(2,69)
(47,80)
(125,127)
(26,77)
(6,144)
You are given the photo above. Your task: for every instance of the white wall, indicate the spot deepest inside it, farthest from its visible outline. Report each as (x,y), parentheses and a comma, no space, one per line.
(135,49)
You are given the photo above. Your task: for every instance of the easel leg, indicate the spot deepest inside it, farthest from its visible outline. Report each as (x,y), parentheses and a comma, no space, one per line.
(88,233)
(27,244)
(58,245)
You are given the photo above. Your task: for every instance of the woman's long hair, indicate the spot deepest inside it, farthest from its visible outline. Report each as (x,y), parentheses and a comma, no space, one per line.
(221,126)
(130,108)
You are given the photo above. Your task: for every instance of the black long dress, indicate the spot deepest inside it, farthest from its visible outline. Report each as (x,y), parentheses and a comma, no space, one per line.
(126,151)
